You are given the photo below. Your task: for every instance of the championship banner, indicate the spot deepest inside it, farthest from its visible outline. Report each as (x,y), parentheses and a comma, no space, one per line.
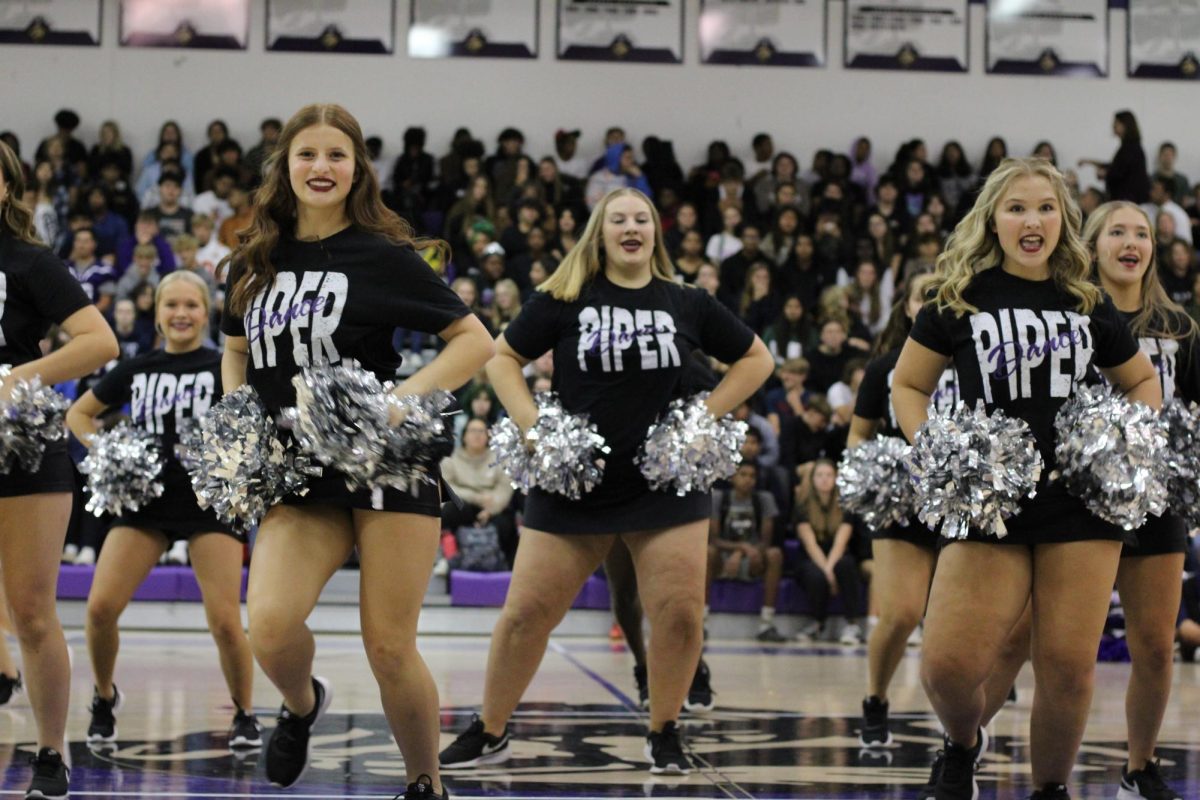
(205,24)
(318,26)
(1163,39)
(648,31)
(1047,37)
(473,28)
(784,33)
(64,22)
(925,35)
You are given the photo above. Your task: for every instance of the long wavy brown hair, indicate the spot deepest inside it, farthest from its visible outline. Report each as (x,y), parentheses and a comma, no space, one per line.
(15,217)
(275,205)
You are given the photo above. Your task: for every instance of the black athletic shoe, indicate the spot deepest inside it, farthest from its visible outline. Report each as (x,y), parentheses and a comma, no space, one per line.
(957,781)
(475,747)
(1146,783)
(245,732)
(664,751)
(51,778)
(103,727)
(700,696)
(422,789)
(290,747)
(9,688)
(875,731)
(770,634)
(643,686)
(1051,791)
(935,774)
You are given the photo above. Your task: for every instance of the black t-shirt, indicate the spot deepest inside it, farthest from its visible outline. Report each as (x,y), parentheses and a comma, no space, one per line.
(1177,288)
(621,355)
(1174,359)
(335,300)
(1026,348)
(826,369)
(36,291)
(874,400)
(163,390)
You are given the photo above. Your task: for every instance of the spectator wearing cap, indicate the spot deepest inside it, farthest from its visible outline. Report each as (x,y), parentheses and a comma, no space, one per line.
(566,154)
(501,166)
(66,121)
(621,170)
(488,272)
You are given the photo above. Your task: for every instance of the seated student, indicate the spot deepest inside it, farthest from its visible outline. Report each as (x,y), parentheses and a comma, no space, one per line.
(827,361)
(140,272)
(785,403)
(186,248)
(132,338)
(215,202)
(484,488)
(770,479)
(740,542)
(174,218)
(842,394)
(146,231)
(812,437)
(99,280)
(211,252)
(770,442)
(827,565)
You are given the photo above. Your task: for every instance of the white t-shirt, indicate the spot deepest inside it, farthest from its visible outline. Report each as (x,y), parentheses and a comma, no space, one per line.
(210,255)
(209,204)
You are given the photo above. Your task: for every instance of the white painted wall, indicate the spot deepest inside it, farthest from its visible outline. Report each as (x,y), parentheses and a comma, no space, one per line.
(689,104)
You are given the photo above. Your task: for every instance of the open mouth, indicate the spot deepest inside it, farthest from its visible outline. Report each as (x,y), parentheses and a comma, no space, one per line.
(1130,260)
(321,185)
(631,245)
(1032,244)
(182,327)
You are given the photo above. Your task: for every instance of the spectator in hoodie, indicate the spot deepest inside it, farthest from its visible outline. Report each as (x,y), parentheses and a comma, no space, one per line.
(620,171)
(145,231)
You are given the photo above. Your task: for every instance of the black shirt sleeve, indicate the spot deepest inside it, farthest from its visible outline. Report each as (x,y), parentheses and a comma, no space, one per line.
(1189,369)
(115,388)
(1114,343)
(871,402)
(536,328)
(55,292)
(722,335)
(232,324)
(930,329)
(417,297)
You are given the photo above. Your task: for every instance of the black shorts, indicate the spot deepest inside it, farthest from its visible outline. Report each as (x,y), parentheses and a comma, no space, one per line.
(641,511)
(54,475)
(178,516)
(330,489)
(915,533)
(1052,517)
(1160,536)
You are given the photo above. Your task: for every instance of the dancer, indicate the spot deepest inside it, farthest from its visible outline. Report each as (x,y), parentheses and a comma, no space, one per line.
(618,326)
(326,273)
(905,555)
(166,388)
(1013,280)
(37,290)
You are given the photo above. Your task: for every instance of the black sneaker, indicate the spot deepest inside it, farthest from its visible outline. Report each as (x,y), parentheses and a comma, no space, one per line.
(50,776)
(664,750)
(1051,791)
(422,789)
(103,727)
(245,732)
(700,696)
(290,747)
(9,688)
(770,634)
(928,791)
(875,731)
(475,747)
(643,686)
(1146,783)
(957,781)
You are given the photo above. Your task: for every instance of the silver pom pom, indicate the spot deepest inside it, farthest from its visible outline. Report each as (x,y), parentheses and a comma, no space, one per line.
(562,453)
(1109,452)
(342,419)
(1181,459)
(237,462)
(874,483)
(123,468)
(971,470)
(32,416)
(690,449)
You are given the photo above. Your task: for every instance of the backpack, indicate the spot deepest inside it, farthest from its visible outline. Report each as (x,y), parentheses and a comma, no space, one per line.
(479,549)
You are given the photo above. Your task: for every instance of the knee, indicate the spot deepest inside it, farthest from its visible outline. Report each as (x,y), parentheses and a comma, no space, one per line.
(942,671)
(678,619)
(525,616)
(389,654)
(33,623)
(227,629)
(1155,656)
(102,613)
(1065,672)
(774,557)
(270,630)
(900,615)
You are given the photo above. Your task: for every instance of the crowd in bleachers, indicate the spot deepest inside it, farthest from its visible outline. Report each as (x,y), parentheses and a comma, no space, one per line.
(809,253)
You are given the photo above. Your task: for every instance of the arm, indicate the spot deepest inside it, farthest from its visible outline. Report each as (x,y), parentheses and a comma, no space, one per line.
(92,345)
(766,534)
(743,379)
(81,417)
(808,540)
(861,430)
(916,378)
(840,540)
(468,347)
(233,363)
(504,371)
(1138,380)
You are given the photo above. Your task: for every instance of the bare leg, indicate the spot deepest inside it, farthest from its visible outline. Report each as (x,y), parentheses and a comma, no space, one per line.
(901,585)
(217,562)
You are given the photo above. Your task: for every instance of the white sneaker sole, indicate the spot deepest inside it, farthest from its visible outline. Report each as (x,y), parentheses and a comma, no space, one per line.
(670,769)
(1129,794)
(326,699)
(498,756)
(888,742)
(698,708)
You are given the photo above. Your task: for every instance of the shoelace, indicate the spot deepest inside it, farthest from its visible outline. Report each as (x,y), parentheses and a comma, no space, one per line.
(285,737)
(46,768)
(1153,772)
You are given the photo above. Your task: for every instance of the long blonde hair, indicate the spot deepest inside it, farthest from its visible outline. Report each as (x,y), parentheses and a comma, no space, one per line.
(1158,316)
(974,245)
(585,260)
